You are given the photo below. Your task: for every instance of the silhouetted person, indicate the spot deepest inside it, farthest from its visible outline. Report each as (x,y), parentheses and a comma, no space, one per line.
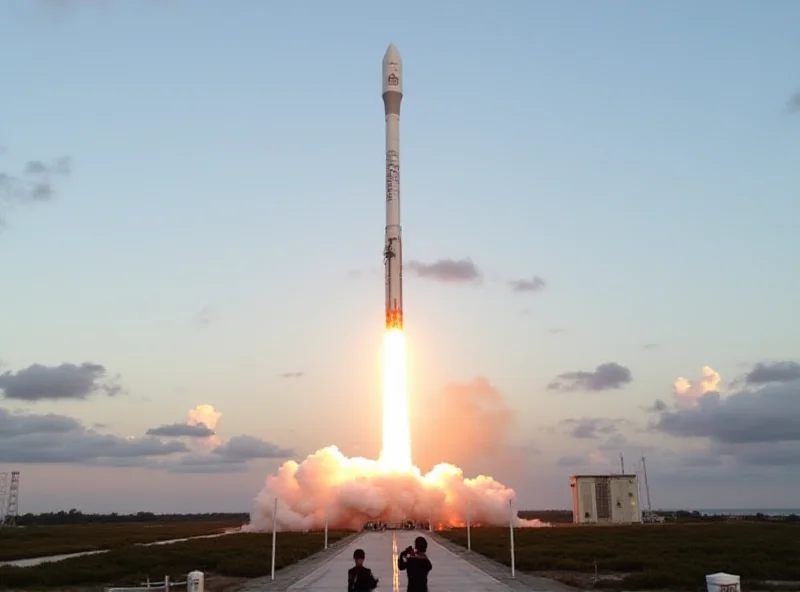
(358,576)
(416,564)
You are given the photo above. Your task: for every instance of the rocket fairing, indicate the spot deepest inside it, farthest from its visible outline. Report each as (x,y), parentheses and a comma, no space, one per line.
(393,249)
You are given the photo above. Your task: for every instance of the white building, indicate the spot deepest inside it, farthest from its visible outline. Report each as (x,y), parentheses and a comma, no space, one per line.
(605,499)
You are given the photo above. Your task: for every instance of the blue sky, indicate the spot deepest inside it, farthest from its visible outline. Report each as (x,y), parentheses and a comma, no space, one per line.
(222,224)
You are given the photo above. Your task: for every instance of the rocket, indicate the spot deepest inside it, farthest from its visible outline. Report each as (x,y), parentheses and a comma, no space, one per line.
(393,248)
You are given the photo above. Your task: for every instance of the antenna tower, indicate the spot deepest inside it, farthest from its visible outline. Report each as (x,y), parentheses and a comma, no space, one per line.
(3,491)
(12,509)
(646,486)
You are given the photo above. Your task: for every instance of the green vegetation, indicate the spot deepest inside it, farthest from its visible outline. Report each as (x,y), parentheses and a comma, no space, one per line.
(241,555)
(565,516)
(41,541)
(639,557)
(77,517)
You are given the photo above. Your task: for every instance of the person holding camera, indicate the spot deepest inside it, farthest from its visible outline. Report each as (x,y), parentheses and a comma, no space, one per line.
(414,561)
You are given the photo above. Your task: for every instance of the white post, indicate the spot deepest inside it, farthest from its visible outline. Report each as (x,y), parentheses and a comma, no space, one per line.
(166,583)
(511,527)
(274,531)
(469,534)
(326,529)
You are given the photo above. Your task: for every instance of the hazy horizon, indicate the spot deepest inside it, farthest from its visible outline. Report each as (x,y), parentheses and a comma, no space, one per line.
(598,208)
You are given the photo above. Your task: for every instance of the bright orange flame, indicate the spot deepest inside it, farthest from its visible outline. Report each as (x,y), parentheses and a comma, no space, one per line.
(396,452)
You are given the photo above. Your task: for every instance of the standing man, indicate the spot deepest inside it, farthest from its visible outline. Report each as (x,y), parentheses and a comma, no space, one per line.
(360,577)
(414,561)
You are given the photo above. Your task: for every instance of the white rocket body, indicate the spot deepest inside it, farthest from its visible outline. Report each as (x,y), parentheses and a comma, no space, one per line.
(393,249)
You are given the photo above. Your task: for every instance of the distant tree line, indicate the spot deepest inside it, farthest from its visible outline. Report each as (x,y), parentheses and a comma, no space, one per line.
(77,517)
(565,516)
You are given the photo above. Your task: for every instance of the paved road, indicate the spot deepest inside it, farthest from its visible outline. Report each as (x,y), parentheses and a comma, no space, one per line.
(450,572)
(454,568)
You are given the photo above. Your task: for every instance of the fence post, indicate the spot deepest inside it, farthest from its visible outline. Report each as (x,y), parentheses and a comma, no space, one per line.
(166,583)
(274,526)
(511,527)
(326,529)
(469,533)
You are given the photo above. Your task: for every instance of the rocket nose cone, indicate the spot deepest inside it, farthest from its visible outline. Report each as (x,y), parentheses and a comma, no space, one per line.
(391,55)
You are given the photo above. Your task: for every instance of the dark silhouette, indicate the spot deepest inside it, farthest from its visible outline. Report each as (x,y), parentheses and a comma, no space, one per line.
(358,576)
(416,564)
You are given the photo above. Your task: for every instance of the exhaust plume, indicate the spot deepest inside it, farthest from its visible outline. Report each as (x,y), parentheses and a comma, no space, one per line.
(353,491)
(482,415)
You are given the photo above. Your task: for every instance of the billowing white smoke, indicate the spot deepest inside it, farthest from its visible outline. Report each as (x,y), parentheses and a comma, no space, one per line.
(353,491)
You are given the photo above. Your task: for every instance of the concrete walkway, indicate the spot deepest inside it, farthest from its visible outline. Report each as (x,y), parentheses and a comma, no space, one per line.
(451,573)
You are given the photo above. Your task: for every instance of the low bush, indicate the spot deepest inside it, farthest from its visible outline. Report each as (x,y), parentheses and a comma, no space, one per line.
(242,555)
(671,556)
(41,541)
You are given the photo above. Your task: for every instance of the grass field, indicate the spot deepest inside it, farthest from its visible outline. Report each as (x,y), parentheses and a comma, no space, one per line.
(40,541)
(238,555)
(653,557)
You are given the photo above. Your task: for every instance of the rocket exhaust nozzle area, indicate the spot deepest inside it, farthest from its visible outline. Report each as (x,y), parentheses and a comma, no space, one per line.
(394,319)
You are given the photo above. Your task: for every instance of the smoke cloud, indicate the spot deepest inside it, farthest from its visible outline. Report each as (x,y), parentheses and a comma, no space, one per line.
(481,414)
(352,491)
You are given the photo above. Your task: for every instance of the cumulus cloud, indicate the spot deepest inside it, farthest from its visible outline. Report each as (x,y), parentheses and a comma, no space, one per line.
(244,448)
(447,270)
(605,377)
(773,372)
(701,459)
(483,418)
(64,382)
(293,374)
(765,414)
(592,459)
(205,415)
(182,430)
(754,425)
(51,438)
(534,284)
(589,428)
(688,392)
(34,183)
(12,425)
(229,457)
(205,316)
(208,452)
(793,106)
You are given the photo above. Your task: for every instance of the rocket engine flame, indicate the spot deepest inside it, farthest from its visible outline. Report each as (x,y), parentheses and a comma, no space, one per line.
(349,492)
(396,452)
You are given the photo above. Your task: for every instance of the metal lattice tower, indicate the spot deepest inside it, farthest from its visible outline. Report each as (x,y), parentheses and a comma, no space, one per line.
(3,490)
(12,509)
